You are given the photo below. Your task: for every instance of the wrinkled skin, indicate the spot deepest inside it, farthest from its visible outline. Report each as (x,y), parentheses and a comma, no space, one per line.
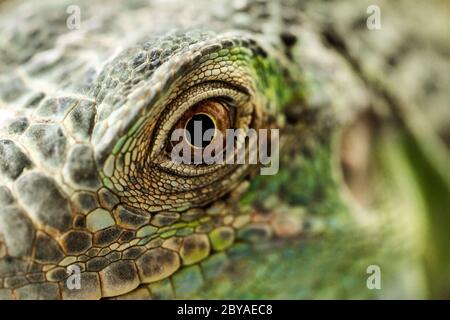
(86,182)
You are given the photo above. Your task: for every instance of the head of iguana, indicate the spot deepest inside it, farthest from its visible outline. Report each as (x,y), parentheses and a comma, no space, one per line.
(92,205)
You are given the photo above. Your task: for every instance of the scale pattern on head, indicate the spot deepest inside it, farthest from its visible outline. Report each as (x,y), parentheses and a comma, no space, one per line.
(87,181)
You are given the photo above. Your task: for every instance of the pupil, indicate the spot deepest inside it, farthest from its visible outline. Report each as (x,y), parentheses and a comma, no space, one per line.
(196,126)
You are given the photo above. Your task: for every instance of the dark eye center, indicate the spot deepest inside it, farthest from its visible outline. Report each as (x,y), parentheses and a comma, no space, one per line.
(196,127)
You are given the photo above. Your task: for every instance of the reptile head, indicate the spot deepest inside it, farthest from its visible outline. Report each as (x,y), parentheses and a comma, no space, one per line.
(179,212)
(93,202)
(160,86)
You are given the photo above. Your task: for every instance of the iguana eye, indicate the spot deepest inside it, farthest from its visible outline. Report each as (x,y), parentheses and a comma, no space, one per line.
(205,124)
(144,172)
(213,106)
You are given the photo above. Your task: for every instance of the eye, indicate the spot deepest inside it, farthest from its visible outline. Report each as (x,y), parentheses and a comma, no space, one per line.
(205,110)
(205,124)
(144,172)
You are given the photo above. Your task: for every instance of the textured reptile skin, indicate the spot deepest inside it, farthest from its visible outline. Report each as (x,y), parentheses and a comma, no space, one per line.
(85,180)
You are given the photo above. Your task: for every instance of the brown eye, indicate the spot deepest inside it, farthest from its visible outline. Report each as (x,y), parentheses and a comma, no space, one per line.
(209,116)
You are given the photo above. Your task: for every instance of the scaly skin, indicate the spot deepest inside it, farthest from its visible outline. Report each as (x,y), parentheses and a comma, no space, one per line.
(86,179)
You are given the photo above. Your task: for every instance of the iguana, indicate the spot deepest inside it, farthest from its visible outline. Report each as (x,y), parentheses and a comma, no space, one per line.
(92,205)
